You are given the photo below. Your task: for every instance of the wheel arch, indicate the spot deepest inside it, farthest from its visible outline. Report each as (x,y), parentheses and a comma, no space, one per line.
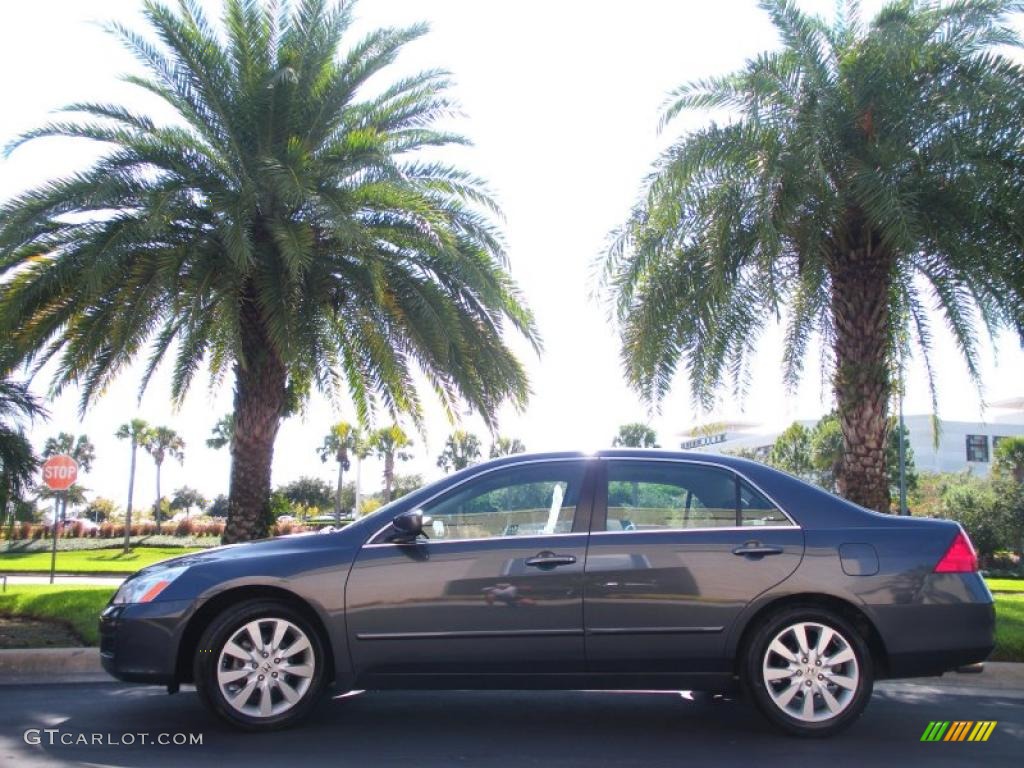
(219,602)
(848,610)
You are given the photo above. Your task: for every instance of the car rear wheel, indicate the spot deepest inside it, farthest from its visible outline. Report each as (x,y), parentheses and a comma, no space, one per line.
(260,665)
(809,671)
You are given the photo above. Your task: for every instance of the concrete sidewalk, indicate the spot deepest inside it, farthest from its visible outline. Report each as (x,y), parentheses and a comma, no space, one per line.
(82,665)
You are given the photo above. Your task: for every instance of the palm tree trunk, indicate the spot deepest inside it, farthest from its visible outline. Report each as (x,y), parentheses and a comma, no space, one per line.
(389,476)
(359,486)
(156,511)
(260,381)
(337,492)
(861,280)
(128,509)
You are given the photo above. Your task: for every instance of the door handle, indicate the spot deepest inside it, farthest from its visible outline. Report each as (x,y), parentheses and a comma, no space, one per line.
(756,549)
(550,560)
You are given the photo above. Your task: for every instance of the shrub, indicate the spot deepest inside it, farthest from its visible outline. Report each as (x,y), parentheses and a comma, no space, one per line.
(984,513)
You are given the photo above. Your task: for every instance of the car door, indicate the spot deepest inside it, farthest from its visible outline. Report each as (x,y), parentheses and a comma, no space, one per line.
(677,550)
(496,588)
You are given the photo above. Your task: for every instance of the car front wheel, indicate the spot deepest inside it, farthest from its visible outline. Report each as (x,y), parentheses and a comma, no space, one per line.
(809,671)
(260,665)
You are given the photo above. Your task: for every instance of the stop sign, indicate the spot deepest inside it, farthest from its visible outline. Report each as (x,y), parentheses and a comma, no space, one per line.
(59,472)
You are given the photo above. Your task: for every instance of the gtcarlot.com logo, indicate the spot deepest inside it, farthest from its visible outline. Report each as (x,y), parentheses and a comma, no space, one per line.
(958,730)
(55,736)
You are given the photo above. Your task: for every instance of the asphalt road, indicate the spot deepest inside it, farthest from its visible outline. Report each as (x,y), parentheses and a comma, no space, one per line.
(496,729)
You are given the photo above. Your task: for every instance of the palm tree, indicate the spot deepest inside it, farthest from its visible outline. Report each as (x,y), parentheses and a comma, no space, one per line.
(460,450)
(868,171)
(635,435)
(342,439)
(160,443)
(506,446)
(81,449)
(137,431)
(222,432)
(18,462)
(389,443)
(287,228)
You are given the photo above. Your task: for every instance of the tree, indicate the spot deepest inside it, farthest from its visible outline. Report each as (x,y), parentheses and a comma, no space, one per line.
(827,451)
(460,450)
(342,439)
(81,449)
(74,495)
(137,432)
(1009,458)
(867,172)
(309,492)
(287,227)
(186,498)
(218,507)
(406,484)
(791,450)
(101,509)
(388,444)
(160,443)
(222,432)
(635,435)
(18,462)
(506,446)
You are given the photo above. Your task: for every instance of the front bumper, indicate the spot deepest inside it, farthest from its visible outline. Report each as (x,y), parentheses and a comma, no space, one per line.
(139,642)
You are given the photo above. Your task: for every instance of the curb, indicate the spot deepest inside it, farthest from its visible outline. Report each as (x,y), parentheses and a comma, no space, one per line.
(51,665)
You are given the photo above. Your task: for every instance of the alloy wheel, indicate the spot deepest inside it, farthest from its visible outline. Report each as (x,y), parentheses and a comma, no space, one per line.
(810,671)
(266,667)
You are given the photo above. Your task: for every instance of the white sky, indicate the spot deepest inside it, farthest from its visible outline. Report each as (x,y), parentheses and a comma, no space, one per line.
(561,100)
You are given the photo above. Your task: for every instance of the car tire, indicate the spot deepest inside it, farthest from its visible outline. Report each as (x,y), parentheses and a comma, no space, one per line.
(260,665)
(809,671)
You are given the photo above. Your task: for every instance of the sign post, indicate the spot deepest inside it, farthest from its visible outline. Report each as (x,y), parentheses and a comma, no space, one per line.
(59,474)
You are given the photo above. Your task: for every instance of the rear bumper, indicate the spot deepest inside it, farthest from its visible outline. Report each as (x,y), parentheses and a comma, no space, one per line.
(929,639)
(139,642)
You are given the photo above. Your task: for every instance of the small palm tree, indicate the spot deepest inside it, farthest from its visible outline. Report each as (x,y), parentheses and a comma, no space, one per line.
(288,227)
(339,442)
(506,446)
(460,450)
(18,462)
(160,443)
(867,172)
(389,444)
(80,449)
(136,431)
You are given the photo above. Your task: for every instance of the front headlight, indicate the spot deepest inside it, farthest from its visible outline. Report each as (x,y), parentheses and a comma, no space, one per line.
(146,587)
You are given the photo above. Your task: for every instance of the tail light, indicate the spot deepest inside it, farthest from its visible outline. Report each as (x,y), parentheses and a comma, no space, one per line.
(960,557)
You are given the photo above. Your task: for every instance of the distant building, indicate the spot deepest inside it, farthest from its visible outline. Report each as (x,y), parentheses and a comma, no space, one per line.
(962,445)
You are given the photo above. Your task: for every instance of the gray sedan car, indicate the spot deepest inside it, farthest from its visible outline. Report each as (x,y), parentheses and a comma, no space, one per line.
(617,570)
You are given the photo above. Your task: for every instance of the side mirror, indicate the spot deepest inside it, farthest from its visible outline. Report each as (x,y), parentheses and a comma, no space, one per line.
(409,526)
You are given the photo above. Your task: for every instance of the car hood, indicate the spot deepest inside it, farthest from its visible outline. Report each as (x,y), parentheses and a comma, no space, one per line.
(252,549)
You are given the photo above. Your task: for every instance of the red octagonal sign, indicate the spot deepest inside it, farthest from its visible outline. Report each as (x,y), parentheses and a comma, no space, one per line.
(59,472)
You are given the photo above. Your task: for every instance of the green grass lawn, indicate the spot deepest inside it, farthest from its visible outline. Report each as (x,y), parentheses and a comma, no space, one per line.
(90,561)
(1009,628)
(1005,585)
(77,607)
